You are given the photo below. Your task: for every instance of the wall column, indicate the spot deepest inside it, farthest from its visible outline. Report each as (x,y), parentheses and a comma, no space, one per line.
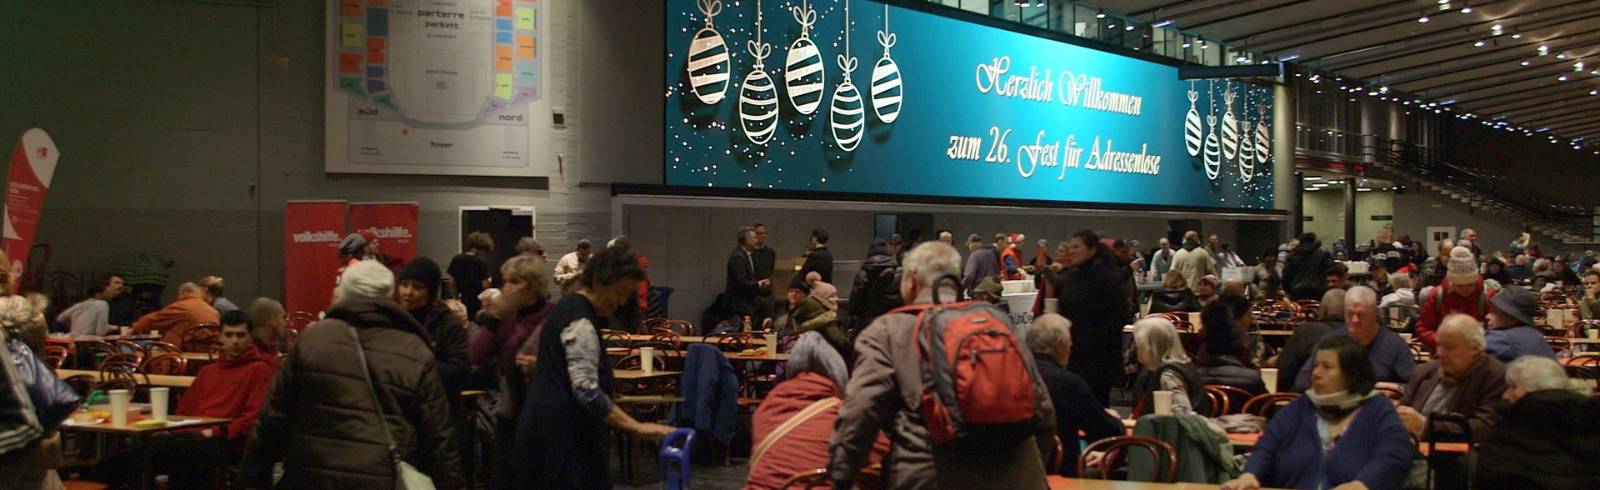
(1285,181)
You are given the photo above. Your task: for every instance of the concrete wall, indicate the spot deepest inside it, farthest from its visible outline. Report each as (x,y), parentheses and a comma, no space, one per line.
(185,127)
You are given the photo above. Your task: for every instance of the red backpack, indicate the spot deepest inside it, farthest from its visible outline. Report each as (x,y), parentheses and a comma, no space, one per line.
(976,380)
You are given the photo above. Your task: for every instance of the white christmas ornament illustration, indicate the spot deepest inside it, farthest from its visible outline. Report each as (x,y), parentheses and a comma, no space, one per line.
(887,91)
(1247,146)
(1212,161)
(1191,124)
(1263,138)
(1230,126)
(758,97)
(848,115)
(708,57)
(803,74)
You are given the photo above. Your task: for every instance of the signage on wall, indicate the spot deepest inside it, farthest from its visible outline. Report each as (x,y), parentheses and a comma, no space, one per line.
(948,108)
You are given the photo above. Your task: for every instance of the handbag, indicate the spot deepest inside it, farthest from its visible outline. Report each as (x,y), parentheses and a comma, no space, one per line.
(53,399)
(406,477)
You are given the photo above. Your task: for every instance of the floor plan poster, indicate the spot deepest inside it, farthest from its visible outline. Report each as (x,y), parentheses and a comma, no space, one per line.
(452,87)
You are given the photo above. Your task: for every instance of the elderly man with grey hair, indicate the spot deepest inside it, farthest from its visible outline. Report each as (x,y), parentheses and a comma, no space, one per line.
(1461,379)
(1161,259)
(1050,339)
(1391,359)
(885,393)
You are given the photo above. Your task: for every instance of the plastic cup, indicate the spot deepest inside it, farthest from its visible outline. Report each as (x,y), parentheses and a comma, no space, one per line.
(1163,399)
(158,403)
(1270,377)
(1052,305)
(647,359)
(1593,333)
(772,342)
(1194,321)
(119,407)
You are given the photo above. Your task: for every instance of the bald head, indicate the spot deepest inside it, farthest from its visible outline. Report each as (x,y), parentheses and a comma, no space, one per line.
(189,289)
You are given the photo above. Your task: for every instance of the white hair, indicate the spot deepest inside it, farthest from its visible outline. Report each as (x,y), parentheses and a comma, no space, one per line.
(1541,264)
(1157,337)
(1535,373)
(932,261)
(1399,281)
(1047,330)
(1468,327)
(1361,295)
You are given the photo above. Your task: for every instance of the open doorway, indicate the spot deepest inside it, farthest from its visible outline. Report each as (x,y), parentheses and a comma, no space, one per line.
(505,224)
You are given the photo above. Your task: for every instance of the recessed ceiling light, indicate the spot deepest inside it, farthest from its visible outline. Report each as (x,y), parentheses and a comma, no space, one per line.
(1423,19)
(1313,177)
(1525,62)
(1130,27)
(1478,44)
(1101,14)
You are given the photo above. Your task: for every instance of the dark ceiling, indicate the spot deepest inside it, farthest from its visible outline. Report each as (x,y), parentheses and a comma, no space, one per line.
(1455,58)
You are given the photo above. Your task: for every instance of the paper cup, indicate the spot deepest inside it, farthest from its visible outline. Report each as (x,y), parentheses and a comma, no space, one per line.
(119,407)
(1593,333)
(1194,321)
(647,359)
(1163,402)
(772,342)
(158,403)
(1270,377)
(1052,305)
(126,331)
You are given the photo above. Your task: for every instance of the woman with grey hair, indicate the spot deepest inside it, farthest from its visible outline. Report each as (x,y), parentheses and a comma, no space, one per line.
(1166,367)
(792,426)
(1550,435)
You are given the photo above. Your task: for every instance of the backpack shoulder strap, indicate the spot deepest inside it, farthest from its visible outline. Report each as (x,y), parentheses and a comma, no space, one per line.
(811,411)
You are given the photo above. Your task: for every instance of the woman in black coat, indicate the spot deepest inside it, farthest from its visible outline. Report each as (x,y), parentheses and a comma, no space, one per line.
(1096,293)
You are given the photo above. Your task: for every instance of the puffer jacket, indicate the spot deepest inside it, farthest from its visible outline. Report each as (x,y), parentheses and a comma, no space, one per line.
(1305,273)
(1230,371)
(1548,440)
(815,314)
(320,419)
(877,286)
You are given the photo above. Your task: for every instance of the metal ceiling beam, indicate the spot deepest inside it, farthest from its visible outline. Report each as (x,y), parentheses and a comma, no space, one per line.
(1468,35)
(1242,15)
(1513,59)
(1527,95)
(1509,107)
(1403,4)
(1346,30)
(1490,82)
(1525,113)
(1496,50)
(1560,115)
(1574,128)
(1513,63)
(1157,9)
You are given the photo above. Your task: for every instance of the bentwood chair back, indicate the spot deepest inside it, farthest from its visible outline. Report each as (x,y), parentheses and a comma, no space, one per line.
(55,356)
(91,352)
(173,364)
(1165,467)
(1233,399)
(1267,405)
(158,348)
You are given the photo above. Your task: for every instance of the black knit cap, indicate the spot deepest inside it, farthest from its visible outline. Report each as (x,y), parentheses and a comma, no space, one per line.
(425,271)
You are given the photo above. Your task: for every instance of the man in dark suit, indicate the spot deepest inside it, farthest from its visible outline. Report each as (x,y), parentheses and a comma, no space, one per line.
(820,260)
(743,288)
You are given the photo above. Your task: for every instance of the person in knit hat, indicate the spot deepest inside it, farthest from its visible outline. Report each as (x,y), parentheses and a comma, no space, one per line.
(417,291)
(822,289)
(1462,291)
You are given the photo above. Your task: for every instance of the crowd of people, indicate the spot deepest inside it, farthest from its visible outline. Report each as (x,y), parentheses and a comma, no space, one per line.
(380,377)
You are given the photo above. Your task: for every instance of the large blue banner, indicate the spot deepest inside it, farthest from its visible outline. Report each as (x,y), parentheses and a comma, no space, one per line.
(776,94)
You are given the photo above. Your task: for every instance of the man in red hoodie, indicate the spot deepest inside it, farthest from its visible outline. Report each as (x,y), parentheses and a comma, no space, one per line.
(1462,291)
(234,386)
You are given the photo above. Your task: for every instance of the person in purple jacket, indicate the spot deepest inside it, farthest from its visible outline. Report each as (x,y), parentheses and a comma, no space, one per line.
(1341,435)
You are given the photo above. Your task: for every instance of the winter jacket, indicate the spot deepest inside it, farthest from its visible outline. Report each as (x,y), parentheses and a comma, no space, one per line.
(815,314)
(1077,409)
(1305,273)
(1438,270)
(1507,344)
(1299,349)
(1097,296)
(805,447)
(1374,449)
(177,318)
(1203,451)
(984,262)
(232,389)
(710,392)
(1167,300)
(1148,381)
(1229,371)
(1433,311)
(877,287)
(1194,263)
(1548,440)
(819,261)
(885,392)
(1011,263)
(495,342)
(1477,394)
(320,419)
(449,349)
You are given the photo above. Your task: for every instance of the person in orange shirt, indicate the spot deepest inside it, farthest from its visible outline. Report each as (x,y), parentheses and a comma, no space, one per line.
(172,321)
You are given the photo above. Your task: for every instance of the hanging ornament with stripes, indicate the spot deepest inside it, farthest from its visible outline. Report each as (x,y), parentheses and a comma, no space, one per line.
(708,57)
(1247,146)
(1230,125)
(803,74)
(887,91)
(848,113)
(1191,124)
(1213,164)
(1263,138)
(758,97)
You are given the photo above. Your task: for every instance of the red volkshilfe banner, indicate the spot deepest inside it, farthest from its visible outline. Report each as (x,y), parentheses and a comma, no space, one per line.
(312,231)
(32,164)
(395,224)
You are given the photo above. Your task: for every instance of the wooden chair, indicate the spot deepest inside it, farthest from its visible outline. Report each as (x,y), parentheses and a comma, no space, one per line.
(199,338)
(119,384)
(681,327)
(1116,449)
(113,360)
(1268,404)
(1418,353)
(653,324)
(1055,457)
(1589,359)
(1233,399)
(817,478)
(82,384)
(128,347)
(730,342)
(673,340)
(1217,402)
(55,356)
(173,364)
(90,352)
(1559,343)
